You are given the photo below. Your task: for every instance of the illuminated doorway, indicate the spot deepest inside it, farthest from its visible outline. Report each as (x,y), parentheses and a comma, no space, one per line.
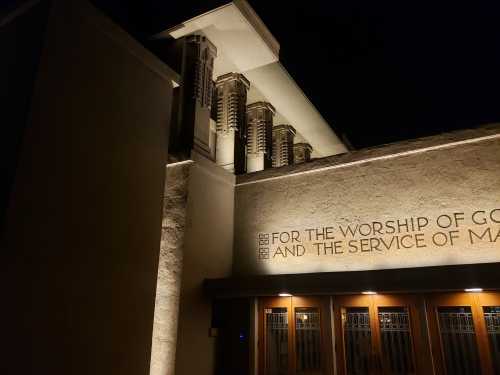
(465,332)
(294,336)
(375,334)
(378,334)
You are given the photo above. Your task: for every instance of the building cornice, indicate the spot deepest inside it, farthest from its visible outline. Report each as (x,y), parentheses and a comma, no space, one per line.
(384,152)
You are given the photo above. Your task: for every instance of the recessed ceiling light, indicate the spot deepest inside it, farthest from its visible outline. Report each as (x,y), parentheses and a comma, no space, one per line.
(285,295)
(472,290)
(368,292)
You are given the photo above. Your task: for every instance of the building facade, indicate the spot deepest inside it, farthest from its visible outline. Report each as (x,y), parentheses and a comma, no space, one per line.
(218,225)
(377,261)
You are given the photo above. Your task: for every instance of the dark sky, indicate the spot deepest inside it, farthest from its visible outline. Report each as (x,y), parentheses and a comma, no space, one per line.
(379,71)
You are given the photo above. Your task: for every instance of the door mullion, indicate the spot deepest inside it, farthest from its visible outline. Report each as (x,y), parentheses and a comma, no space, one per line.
(291,338)
(482,336)
(376,355)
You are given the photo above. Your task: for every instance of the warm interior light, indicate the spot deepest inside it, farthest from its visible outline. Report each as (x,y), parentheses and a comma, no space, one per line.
(285,295)
(472,290)
(368,292)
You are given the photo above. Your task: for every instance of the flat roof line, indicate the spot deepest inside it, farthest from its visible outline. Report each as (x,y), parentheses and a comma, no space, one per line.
(376,158)
(248,13)
(393,280)
(166,32)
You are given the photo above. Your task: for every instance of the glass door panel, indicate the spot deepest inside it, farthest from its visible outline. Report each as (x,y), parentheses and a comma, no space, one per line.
(458,340)
(276,340)
(312,336)
(357,339)
(307,341)
(396,341)
(293,336)
(274,337)
(463,334)
(355,335)
(488,305)
(379,335)
(492,321)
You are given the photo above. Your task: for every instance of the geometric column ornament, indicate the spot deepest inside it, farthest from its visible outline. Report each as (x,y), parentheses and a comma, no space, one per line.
(283,145)
(231,122)
(190,125)
(259,136)
(301,152)
(200,56)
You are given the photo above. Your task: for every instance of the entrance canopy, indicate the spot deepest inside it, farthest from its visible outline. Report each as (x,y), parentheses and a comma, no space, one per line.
(422,279)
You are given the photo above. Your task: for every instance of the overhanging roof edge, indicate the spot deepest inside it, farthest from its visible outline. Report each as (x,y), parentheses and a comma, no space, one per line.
(259,26)
(248,14)
(419,279)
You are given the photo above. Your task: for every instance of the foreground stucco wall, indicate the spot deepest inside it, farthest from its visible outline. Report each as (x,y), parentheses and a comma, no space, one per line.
(80,249)
(207,254)
(21,39)
(297,220)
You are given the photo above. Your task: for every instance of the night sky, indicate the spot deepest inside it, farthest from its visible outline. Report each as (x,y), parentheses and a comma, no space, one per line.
(379,71)
(387,71)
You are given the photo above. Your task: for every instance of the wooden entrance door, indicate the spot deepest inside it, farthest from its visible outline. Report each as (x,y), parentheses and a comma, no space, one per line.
(294,336)
(378,334)
(465,332)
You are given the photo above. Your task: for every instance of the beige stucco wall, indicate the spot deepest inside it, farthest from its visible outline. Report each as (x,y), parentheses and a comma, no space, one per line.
(454,175)
(80,249)
(168,286)
(207,254)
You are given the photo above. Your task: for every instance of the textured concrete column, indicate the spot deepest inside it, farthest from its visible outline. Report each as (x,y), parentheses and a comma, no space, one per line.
(170,269)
